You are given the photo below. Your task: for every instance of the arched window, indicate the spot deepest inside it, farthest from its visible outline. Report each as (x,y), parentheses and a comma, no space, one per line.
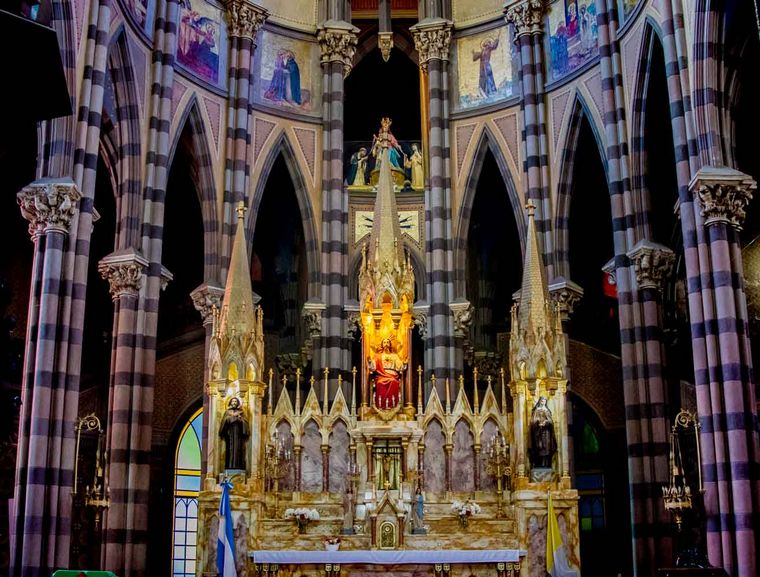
(187,485)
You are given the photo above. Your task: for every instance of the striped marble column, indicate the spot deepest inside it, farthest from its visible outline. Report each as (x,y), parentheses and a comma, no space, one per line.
(527,18)
(432,37)
(726,396)
(41,526)
(244,20)
(136,276)
(337,41)
(639,268)
(42,507)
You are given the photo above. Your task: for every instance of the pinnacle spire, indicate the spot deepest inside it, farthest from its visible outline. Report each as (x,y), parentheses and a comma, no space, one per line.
(534,294)
(386,233)
(237,307)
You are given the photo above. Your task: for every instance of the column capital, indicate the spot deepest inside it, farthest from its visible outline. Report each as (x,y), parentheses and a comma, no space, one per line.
(421,319)
(432,37)
(527,16)
(652,263)
(723,194)
(245,18)
(123,269)
(205,298)
(311,313)
(337,42)
(49,205)
(565,294)
(462,311)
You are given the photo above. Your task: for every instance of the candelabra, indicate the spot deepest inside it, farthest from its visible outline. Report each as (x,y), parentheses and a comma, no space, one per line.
(497,466)
(683,495)
(95,495)
(277,459)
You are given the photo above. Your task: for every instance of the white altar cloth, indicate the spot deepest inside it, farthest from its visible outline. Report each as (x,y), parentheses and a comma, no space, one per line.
(375,557)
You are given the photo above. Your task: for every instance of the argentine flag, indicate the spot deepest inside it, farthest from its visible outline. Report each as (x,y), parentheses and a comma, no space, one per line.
(225,552)
(556,557)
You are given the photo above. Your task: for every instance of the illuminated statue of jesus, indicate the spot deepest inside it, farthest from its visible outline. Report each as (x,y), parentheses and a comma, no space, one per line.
(387,369)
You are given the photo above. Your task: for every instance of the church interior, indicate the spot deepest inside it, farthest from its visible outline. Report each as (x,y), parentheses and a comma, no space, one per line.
(360,288)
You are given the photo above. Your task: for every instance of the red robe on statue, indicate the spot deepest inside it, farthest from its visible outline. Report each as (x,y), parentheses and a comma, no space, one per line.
(387,385)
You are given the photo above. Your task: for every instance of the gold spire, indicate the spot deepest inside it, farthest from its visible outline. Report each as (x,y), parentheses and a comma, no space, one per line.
(386,232)
(385,268)
(534,294)
(237,307)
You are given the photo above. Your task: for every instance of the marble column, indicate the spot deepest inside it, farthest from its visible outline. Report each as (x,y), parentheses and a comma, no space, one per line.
(432,37)
(337,41)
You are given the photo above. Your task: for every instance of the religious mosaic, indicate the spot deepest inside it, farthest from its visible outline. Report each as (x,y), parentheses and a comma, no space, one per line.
(286,77)
(573,36)
(627,6)
(484,69)
(202,41)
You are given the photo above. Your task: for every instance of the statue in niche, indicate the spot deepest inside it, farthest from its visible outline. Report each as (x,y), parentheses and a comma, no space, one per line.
(387,369)
(418,512)
(234,431)
(542,441)
(415,164)
(358,168)
(348,512)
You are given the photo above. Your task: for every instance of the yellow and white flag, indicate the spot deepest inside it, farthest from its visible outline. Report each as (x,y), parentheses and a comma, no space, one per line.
(556,556)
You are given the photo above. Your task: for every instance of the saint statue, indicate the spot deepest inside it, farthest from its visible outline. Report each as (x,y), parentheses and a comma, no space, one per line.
(235,432)
(418,511)
(387,369)
(542,443)
(348,512)
(358,168)
(414,162)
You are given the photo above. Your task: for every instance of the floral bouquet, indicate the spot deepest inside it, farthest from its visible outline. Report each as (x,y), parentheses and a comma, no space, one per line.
(464,510)
(302,515)
(332,543)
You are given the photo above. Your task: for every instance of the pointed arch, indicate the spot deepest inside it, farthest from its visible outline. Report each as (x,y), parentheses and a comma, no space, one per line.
(203,176)
(283,146)
(126,125)
(401,42)
(580,112)
(418,264)
(487,142)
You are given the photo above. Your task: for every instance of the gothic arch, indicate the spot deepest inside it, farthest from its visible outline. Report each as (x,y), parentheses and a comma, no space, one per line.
(401,42)
(126,124)
(418,263)
(580,112)
(486,142)
(283,146)
(204,179)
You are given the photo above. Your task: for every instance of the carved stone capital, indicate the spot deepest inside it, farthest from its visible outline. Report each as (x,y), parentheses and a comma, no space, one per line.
(652,263)
(723,194)
(337,42)
(526,16)
(166,277)
(354,322)
(123,269)
(49,205)
(206,298)
(385,43)
(421,318)
(245,18)
(566,294)
(432,38)
(462,311)
(312,317)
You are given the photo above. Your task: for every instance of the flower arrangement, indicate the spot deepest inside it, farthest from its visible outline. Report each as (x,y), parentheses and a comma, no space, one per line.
(464,510)
(302,516)
(332,543)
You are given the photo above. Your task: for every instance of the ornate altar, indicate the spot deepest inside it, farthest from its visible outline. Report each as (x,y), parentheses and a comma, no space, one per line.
(383,469)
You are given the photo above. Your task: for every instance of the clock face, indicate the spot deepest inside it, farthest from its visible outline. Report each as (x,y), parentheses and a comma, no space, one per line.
(409,221)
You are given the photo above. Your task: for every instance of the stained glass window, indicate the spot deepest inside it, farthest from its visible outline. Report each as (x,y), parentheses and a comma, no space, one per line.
(187,485)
